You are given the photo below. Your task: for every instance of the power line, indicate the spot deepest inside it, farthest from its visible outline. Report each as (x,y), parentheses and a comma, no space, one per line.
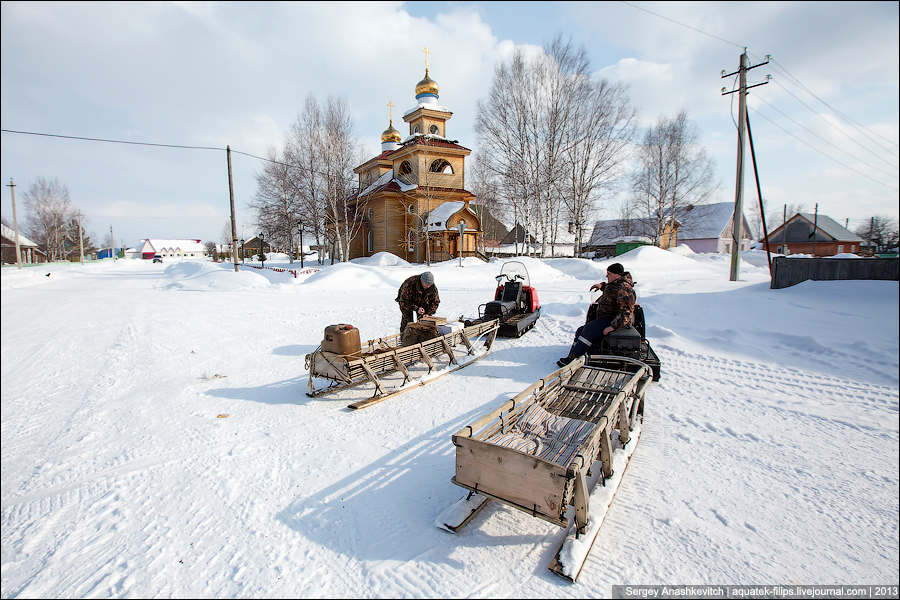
(655,14)
(841,130)
(776,109)
(859,126)
(756,111)
(183,146)
(90,139)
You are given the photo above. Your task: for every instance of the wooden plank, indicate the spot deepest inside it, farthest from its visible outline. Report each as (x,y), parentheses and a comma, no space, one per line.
(511,475)
(376,399)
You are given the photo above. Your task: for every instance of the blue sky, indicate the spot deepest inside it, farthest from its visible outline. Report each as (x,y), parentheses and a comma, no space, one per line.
(212,74)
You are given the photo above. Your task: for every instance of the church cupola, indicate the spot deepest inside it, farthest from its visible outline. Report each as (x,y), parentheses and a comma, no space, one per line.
(390,137)
(427,90)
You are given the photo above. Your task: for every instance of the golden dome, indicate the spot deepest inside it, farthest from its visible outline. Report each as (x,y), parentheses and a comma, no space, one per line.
(427,86)
(390,134)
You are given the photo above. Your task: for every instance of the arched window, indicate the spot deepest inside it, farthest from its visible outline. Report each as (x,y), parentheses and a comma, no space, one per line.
(405,173)
(441,166)
(416,129)
(433,129)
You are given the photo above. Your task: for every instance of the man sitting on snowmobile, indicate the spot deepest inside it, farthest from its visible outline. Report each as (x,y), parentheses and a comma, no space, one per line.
(613,310)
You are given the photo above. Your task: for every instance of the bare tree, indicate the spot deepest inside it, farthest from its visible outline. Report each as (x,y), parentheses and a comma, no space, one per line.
(49,209)
(336,147)
(596,149)
(302,150)
(552,138)
(673,171)
(880,231)
(777,218)
(277,202)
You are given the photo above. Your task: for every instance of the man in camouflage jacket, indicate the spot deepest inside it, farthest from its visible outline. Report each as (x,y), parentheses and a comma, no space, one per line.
(417,296)
(613,310)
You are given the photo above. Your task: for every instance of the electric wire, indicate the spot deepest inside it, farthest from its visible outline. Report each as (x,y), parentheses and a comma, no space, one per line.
(839,129)
(91,139)
(182,146)
(838,148)
(756,112)
(859,126)
(698,30)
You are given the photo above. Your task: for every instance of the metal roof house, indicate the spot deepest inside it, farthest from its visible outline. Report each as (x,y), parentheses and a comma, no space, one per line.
(707,227)
(818,235)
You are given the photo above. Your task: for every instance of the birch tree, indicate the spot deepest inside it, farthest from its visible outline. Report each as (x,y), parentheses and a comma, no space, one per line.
(49,210)
(550,136)
(672,172)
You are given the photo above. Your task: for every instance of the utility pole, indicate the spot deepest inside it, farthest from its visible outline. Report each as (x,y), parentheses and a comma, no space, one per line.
(80,239)
(231,198)
(12,194)
(112,241)
(737,221)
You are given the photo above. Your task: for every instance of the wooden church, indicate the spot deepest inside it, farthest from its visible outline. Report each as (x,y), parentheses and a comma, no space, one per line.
(413,194)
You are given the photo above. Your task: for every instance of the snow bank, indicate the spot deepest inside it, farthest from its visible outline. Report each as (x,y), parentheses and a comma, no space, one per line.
(353,278)
(204,276)
(381,259)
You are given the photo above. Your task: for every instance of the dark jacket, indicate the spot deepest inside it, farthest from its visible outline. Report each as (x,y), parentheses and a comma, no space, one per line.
(616,303)
(412,296)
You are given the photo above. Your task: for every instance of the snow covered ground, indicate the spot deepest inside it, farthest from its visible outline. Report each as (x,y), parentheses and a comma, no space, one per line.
(157,440)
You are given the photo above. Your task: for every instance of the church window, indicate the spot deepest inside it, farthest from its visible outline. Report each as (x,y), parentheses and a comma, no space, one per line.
(441,166)
(433,129)
(405,172)
(416,129)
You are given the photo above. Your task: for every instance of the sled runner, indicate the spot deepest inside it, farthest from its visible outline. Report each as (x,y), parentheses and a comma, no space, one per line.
(539,451)
(380,357)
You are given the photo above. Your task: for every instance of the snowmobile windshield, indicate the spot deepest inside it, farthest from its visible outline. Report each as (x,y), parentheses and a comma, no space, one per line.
(514,271)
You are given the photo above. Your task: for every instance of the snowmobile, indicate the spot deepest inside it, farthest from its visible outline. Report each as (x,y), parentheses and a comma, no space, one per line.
(515,302)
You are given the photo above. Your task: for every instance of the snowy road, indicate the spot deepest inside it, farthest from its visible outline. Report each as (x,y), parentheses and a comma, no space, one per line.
(769,449)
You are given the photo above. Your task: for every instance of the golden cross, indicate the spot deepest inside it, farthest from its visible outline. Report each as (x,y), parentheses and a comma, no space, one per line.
(391,111)
(426,51)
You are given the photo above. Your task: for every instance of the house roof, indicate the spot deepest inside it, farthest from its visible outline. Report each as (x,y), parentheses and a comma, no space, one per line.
(10,234)
(607,233)
(703,221)
(800,227)
(186,245)
(437,220)
(831,227)
(388,183)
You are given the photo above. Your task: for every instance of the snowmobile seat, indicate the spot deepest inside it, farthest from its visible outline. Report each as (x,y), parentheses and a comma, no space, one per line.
(508,302)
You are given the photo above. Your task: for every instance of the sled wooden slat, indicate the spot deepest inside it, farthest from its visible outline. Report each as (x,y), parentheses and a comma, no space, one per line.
(383,356)
(489,463)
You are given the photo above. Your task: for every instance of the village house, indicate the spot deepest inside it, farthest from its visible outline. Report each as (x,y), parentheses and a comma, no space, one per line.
(613,237)
(413,195)
(707,227)
(816,235)
(28,250)
(189,248)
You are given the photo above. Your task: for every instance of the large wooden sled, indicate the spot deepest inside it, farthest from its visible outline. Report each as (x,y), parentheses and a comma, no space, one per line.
(537,451)
(381,357)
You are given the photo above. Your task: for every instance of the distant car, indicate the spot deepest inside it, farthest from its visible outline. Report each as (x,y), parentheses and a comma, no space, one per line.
(157,258)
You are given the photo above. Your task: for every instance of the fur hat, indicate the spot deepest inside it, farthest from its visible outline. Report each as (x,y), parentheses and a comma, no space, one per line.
(427,278)
(616,268)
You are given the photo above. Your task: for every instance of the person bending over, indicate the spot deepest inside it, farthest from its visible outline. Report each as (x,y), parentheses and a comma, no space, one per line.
(417,296)
(613,310)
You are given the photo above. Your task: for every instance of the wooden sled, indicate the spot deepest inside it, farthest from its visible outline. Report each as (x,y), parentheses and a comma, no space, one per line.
(383,356)
(536,452)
